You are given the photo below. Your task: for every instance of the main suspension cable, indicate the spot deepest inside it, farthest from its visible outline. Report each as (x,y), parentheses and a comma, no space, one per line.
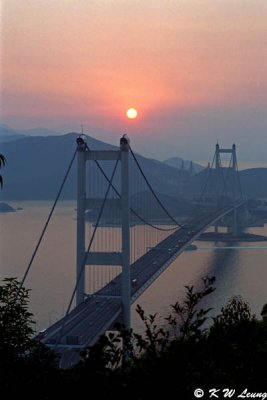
(131,209)
(153,192)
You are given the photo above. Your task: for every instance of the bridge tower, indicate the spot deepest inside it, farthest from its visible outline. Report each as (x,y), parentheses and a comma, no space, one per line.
(83,203)
(234,177)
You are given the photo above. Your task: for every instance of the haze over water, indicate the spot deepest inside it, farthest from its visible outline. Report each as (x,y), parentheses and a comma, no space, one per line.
(51,280)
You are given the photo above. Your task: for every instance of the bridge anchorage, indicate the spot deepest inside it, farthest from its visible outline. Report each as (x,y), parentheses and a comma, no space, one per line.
(126,238)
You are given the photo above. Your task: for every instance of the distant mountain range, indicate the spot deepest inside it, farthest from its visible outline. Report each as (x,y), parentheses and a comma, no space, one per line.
(36,166)
(8,134)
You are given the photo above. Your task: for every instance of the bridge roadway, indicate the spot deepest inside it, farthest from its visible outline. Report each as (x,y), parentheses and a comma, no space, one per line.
(86,322)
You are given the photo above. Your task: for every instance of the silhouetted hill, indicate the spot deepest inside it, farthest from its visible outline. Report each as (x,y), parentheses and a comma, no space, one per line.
(40,132)
(253,182)
(8,134)
(6,208)
(36,166)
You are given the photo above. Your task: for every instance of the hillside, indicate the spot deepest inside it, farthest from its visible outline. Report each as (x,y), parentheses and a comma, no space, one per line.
(36,166)
(253,182)
(8,134)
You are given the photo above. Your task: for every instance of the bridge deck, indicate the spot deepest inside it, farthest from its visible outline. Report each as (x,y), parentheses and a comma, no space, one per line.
(86,322)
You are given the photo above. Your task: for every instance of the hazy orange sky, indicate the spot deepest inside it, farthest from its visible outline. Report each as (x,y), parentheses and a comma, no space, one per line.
(194,69)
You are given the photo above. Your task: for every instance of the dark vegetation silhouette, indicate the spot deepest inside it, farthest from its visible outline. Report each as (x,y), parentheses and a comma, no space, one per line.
(24,362)
(191,350)
(2,164)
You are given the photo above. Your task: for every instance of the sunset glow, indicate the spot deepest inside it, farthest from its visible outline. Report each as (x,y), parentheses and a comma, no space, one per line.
(194,71)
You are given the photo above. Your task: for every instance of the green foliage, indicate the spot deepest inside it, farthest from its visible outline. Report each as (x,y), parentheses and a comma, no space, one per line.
(24,362)
(15,319)
(237,346)
(185,353)
(236,311)
(2,164)
(264,312)
(155,338)
(106,354)
(187,318)
(176,358)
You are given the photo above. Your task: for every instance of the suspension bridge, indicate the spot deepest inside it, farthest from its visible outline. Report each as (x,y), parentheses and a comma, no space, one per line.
(126,237)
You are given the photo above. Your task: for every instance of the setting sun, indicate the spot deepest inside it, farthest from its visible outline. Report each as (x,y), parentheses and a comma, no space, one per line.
(131,113)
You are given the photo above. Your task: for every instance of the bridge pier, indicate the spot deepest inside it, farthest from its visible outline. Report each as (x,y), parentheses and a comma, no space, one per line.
(231,223)
(239,219)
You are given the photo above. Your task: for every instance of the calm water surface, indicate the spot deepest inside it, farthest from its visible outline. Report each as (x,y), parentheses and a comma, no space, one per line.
(238,271)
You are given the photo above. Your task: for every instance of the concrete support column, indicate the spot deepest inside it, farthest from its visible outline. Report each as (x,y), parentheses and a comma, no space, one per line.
(235,229)
(217,157)
(81,198)
(126,272)
(235,171)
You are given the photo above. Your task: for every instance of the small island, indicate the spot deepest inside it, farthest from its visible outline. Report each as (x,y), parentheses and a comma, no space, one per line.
(6,208)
